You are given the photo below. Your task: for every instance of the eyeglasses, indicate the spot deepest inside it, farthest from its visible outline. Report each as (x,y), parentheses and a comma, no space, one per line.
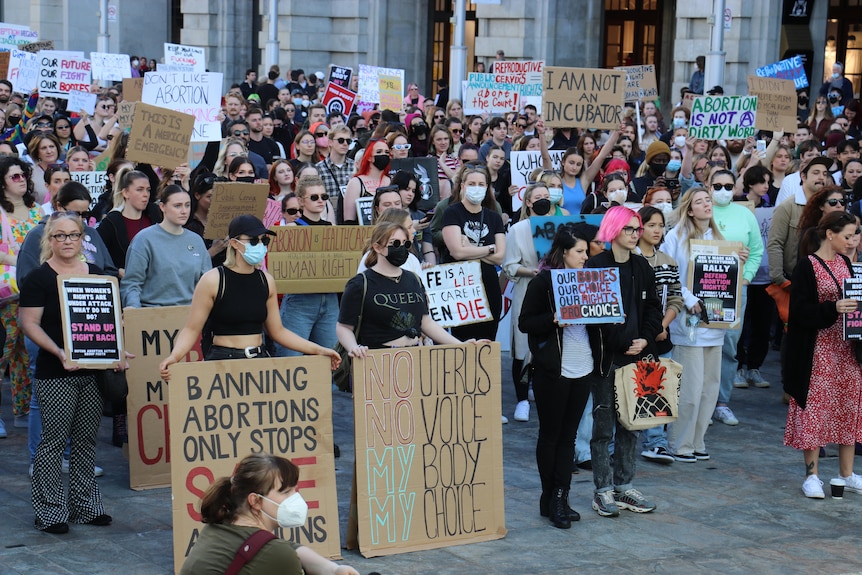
(254,241)
(718,187)
(398,243)
(239,133)
(456,131)
(74,236)
(19,177)
(342,140)
(306,142)
(835,202)
(315,197)
(291,211)
(401,147)
(630,231)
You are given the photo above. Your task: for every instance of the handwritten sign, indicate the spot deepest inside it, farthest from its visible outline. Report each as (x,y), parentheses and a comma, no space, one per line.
(776,103)
(195,93)
(180,55)
(546,227)
(583,97)
(425,170)
(60,73)
(688,100)
(316,259)
(715,277)
(91,318)
(485,94)
(222,411)
(853,321)
(340,75)
(428,448)
(93,181)
(369,81)
(456,295)
(159,136)
(110,67)
(132,88)
(523,164)
(23,71)
(338,100)
(364,210)
(390,90)
(232,199)
(588,295)
(36,47)
(789,69)
(4,64)
(527,75)
(723,117)
(640,83)
(13,36)
(79,100)
(125,114)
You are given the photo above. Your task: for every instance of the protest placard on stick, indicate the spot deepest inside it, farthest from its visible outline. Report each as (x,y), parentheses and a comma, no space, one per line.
(583,97)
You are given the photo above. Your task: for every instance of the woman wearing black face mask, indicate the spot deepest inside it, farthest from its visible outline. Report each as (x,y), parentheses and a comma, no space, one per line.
(368,296)
(802,108)
(657,157)
(521,265)
(370,175)
(417,134)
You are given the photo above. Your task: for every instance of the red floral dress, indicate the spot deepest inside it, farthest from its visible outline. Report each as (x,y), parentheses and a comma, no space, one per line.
(833,413)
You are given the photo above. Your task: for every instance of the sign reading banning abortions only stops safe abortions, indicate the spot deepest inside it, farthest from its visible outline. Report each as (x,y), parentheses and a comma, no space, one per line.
(222,411)
(715,278)
(456,295)
(588,295)
(429,450)
(583,97)
(723,117)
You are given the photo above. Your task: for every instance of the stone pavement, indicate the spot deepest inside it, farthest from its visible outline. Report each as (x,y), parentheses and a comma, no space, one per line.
(741,512)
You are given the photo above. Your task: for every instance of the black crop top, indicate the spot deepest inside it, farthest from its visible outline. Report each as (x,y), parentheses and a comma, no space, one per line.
(241,309)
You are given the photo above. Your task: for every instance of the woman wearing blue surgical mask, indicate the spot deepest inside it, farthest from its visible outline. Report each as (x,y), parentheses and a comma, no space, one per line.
(260,496)
(239,302)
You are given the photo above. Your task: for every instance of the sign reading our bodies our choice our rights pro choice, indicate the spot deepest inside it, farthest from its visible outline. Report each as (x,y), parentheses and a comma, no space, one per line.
(723,117)
(587,295)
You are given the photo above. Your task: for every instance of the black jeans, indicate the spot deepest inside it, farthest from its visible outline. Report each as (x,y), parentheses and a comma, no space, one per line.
(218,352)
(754,344)
(560,403)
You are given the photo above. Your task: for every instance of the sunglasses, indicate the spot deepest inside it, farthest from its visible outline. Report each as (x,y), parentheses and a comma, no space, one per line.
(315,197)
(240,133)
(320,135)
(835,202)
(254,241)
(43,124)
(74,236)
(401,147)
(398,243)
(457,131)
(62,126)
(521,126)
(291,211)
(342,140)
(19,177)
(439,117)
(718,187)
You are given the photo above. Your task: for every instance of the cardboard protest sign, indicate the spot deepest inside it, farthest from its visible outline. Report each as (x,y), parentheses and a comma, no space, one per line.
(364,209)
(390,90)
(522,165)
(688,100)
(456,295)
(776,103)
(315,259)
(429,457)
(715,278)
(195,93)
(338,99)
(93,181)
(159,136)
(641,85)
(149,336)
(425,170)
(340,75)
(132,88)
(545,228)
(853,321)
(110,67)
(92,322)
(4,64)
(180,55)
(79,100)
(485,94)
(583,97)
(36,47)
(13,36)
(62,72)
(222,411)
(527,75)
(369,81)
(723,117)
(588,295)
(125,114)
(789,69)
(23,71)
(232,199)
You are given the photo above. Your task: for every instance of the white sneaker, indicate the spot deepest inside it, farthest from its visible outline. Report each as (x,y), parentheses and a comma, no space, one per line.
(522,411)
(740,380)
(725,415)
(813,487)
(505,419)
(853,483)
(97,471)
(756,379)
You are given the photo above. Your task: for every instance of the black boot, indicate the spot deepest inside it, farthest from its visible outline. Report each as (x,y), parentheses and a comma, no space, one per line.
(559,509)
(120,434)
(545,504)
(573,515)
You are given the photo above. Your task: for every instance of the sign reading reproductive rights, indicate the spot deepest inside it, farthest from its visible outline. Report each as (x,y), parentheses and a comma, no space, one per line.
(159,136)
(583,97)
(528,77)
(429,450)
(789,69)
(110,67)
(588,295)
(640,83)
(91,318)
(188,56)
(485,95)
(723,117)
(222,411)
(194,93)
(456,295)
(62,72)
(715,278)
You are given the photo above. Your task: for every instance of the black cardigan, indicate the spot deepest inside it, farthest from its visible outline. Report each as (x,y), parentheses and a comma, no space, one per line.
(807,317)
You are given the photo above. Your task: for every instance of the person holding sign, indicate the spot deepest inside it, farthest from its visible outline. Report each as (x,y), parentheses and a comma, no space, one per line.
(260,496)
(563,361)
(370,175)
(577,176)
(821,373)
(240,302)
(69,397)
(621,344)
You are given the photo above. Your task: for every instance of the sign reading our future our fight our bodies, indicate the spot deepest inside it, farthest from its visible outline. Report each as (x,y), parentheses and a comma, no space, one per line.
(61,72)
(456,295)
(723,117)
(583,97)
(195,93)
(587,295)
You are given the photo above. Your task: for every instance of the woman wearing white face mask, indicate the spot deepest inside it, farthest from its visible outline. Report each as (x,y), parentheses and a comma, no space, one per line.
(261,495)
(660,198)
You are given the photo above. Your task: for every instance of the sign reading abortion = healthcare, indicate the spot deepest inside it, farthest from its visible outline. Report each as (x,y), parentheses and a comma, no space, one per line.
(587,295)
(456,295)
(723,117)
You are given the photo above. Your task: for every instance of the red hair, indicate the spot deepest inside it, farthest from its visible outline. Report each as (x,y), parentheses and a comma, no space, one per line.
(274,188)
(365,164)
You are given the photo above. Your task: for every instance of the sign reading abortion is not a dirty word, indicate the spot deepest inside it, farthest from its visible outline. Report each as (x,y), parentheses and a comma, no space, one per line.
(723,117)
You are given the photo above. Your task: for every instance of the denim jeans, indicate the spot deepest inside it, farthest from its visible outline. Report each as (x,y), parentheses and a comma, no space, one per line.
(729,364)
(311,316)
(34,425)
(585,433)
(605,424)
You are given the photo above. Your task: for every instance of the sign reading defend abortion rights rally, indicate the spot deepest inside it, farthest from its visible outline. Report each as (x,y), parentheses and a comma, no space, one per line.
(723,117)
(853,321)
(456,295)
(222,411)
(583,97)
(429,450)
(588,295)
(715,278)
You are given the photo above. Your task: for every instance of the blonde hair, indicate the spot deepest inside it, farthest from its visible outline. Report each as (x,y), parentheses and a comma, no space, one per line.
(222,163)
(47,250)
(125,176)
(688,230)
